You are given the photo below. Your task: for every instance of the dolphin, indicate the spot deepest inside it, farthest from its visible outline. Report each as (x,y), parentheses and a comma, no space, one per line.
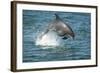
(59,26)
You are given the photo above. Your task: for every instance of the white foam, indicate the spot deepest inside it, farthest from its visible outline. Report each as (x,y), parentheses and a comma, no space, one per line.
(49,39)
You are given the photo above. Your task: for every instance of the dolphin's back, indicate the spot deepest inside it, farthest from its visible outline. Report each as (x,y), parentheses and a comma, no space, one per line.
(62,27)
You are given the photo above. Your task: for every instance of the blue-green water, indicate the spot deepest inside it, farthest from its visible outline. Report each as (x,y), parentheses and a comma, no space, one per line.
(77,49)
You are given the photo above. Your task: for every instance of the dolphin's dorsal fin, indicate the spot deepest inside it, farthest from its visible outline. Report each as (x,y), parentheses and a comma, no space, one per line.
(57,17)
(68,29)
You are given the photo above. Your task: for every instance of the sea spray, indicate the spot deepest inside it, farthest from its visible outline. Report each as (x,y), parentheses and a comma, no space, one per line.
(49,39)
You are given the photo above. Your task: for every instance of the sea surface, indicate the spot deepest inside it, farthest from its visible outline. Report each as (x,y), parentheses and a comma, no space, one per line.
(79,48)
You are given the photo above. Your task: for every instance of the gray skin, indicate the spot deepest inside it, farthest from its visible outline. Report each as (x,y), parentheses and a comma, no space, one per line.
(59,26)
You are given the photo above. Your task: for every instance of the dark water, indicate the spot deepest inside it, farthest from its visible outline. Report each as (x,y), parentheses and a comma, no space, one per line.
(77,49)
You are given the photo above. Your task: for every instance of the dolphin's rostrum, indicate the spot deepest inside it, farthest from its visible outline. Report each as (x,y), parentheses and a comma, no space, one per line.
(62,28)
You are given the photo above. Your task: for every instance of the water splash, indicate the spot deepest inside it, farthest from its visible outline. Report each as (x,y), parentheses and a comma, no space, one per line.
(49,39)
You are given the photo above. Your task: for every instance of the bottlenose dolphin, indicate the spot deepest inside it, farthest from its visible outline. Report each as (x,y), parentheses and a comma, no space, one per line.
(59,26)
